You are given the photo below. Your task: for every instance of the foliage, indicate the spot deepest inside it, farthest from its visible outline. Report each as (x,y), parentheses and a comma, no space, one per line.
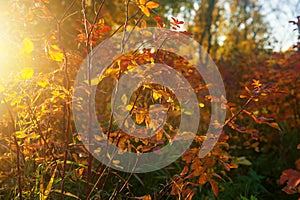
(42,156)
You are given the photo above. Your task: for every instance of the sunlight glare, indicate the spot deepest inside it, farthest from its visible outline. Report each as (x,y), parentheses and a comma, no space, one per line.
(8,49)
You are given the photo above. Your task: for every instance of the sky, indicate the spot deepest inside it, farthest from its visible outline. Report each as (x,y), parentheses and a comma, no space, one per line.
(278,13)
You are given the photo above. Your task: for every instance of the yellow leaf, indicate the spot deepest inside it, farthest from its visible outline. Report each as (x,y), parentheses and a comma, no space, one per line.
(20,134)
(27,73)
(55,54)
(98,137)
(44,194)
(145,10)
(49,186)
(156,95)
(27,46)
(55,47)
(55,93)
(94,81)
(67,193)
(124,99)
(42,83)
(116,162)
(201,105)
(129,107)
(152,5)
(2,88)
(98,150)
(141,2)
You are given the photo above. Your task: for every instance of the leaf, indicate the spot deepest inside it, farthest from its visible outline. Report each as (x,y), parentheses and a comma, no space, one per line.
(144,24)
(152,5)
(146,197)
(293,180)
(203,179)
(156,95)
(146,7)
(242,161)
(20,134)
(214,186)
(176,22)
(2,88)
(256,83)
(139,118)
(184,171)
(27,73)
(201,105)
(49,186)
(55,54)
(43,84)
(27,46)
(94,81)
(187,111)
(159,22)
(210,162)
(33,136)
(124,99)
(145,10)
(129,107)
(274,125)
(67,194)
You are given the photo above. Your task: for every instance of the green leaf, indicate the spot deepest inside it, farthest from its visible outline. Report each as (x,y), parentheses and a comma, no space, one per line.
(242,161)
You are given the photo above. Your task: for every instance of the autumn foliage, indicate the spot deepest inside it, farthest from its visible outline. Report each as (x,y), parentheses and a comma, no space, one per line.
(42,155)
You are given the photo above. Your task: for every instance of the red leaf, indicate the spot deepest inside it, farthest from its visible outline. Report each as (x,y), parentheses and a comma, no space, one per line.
(293,180)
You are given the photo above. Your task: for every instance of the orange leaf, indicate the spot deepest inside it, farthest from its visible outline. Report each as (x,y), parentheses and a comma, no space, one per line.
(146,6)
(203,179)
(184,171)
(210,162)
(146,197)
(274,125)
(139,118)
(152,5)
(214,186)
